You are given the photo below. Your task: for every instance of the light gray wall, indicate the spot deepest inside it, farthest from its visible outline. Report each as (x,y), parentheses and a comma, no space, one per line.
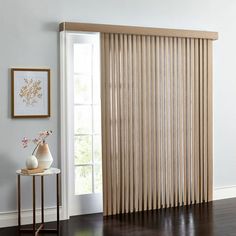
(29,38)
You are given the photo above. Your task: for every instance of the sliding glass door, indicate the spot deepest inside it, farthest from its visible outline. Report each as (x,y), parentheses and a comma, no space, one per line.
(83,63)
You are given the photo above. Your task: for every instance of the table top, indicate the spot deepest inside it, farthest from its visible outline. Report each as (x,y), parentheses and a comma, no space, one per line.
(50,171)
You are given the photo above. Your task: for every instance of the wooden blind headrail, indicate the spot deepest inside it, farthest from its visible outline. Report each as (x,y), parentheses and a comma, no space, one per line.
(73,26)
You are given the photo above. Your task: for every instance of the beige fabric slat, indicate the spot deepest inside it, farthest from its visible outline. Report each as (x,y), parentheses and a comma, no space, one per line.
(130,123)
(175,125)
(184,68)
(108,120)
(168,128)
(205,115)
(188,122)
(180,122)
(171,121)
(125,119)
(144,122)
(122,129)
(149,114)
(103,109)
(201,167)
(113,123)
(162,124)
(118,127)
(136,124)
(196,119)
(153,124)
(156,122)
(192,124)
(210,122)
(139,43)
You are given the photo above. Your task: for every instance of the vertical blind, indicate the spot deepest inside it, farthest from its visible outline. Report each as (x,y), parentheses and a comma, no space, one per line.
(156,121)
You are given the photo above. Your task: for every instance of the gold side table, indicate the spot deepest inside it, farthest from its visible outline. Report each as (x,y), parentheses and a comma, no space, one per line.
(34,230)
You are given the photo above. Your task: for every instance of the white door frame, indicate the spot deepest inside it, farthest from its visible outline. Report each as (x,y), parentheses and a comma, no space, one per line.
(64,128)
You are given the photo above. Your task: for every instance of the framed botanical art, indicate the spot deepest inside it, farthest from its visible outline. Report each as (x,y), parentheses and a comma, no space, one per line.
(30,93)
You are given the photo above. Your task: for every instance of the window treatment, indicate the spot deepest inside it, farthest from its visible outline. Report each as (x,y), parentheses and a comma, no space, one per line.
(156,121)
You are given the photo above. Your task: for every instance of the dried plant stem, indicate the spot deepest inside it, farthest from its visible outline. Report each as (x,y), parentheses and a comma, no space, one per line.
(35,149)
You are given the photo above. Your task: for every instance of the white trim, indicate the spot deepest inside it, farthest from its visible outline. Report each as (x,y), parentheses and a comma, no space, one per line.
(67,134)
(64,128)
(10,218)
(224,192)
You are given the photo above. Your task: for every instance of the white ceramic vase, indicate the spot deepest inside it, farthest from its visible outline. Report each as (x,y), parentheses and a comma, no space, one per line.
(44,156)
(31,162)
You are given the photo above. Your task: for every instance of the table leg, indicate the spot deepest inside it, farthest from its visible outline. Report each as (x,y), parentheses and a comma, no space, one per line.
(19,202)
(34,206)
(42,199)
(58,203)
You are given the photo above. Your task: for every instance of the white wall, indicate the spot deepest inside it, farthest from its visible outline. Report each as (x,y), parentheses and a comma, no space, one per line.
(29,38)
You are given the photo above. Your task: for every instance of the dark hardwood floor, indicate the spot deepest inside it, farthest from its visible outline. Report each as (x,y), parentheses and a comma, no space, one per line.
(217,218)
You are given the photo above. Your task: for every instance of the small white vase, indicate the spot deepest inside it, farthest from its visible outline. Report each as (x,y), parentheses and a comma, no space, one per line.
(44,156)
(31,162)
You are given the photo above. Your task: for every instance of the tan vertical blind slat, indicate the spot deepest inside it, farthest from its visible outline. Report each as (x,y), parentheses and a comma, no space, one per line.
(167,121)
(192,124)
(205,130)
(126,125)
(108,131)
(144,121)
(180,121)
(201,166)
(210,122)
(149,118)
(113,121)
(188,122)
(154,102)
(184,67)
(175,125)
(103,109)
(130,123)
(162,124)
(171,121)
(139,43)
(196,119)
(118,127)
(156,122)
(122,130)
(136,124)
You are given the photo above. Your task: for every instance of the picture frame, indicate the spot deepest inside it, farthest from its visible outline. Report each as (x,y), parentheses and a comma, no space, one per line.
(30,92)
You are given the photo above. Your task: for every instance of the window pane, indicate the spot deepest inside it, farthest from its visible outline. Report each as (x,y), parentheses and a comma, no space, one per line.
(97,119)
(97,148)
(83,58)
(82,89)
(83,149)
(83,119)
(98,178)
(83,180)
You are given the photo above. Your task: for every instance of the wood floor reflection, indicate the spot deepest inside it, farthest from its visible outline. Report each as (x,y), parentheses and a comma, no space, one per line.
(213,219)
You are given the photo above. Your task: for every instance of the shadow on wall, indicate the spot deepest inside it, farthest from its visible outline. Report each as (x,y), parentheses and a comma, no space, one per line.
(7,170)
(8,182)
(51,26)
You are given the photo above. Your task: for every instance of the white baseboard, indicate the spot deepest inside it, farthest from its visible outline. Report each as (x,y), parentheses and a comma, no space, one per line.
(8,219)
(224,192)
